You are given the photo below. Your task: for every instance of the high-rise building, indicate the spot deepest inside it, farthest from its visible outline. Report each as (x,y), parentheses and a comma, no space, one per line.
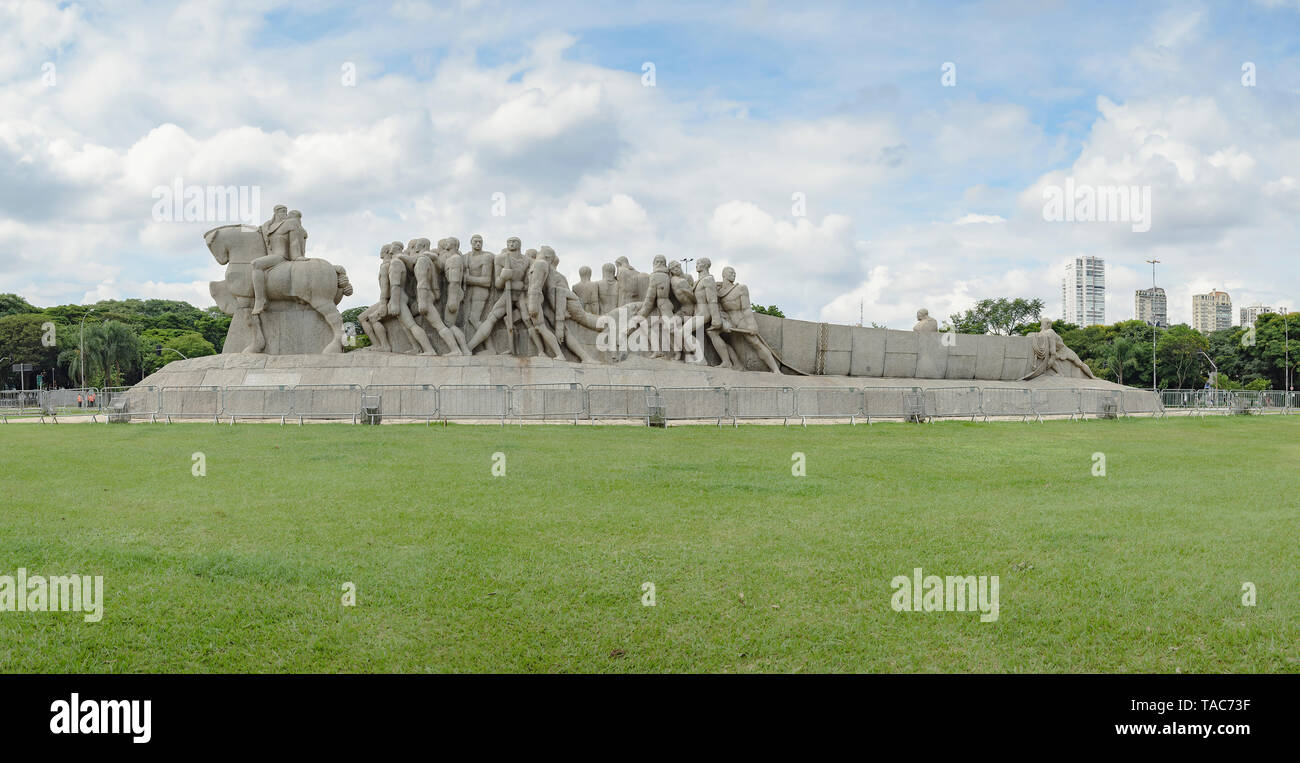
(1249,314)
(1211,312)
(1083,291)
(1149,305)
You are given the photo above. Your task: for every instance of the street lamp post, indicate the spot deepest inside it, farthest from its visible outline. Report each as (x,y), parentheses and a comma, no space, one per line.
(170,349)
(1153,325)
(81,361)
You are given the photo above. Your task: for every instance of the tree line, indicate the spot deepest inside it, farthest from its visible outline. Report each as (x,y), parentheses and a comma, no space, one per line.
(1247,357)
(125,340)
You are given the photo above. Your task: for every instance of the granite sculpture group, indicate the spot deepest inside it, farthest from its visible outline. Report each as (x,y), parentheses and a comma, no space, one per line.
(438,300)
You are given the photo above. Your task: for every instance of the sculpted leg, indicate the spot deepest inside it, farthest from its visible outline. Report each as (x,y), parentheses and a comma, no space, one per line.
(765,354)
(489,322)
(331,315)
(257,342)
(720,345)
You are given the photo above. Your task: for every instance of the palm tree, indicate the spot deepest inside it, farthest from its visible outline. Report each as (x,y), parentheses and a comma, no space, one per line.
(112,351)
(1121,355)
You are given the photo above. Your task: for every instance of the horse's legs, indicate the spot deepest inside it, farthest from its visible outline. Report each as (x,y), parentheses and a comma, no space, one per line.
(257,342)
(331,315)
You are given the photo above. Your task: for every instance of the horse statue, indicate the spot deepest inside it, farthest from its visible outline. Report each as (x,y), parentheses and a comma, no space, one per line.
(313,282)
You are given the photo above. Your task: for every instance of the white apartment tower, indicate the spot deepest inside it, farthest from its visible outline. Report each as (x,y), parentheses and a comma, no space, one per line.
(1249,314)
(1211,312)
(1083,291)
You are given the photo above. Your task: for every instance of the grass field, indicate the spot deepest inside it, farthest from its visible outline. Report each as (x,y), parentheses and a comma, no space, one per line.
(754,569)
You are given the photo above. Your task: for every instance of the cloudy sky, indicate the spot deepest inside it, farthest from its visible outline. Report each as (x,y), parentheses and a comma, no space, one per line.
(835,154)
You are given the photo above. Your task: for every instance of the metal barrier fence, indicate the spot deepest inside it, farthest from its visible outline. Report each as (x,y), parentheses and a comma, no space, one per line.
(619,401)
(953,402)
(891,403)
(574,402)
(761,403)
(270,402)
(190,403)
(694,403)
(474,401)
(1055,402)
(402,401)
(548,402)
(997,402)
(329,401)
(829,403)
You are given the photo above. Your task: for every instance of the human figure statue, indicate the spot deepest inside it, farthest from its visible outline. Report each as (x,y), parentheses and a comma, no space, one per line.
(539,276)
(398,304)
(658,302)
(632,284)
(510,269)
(567,306)
(738,319)
(708,312)
(607,289)
(285,241)
(587,291)
(427,286)
(371,319)
(478,286)
(1051,357)
(683,288)
(453,270)
(924,322)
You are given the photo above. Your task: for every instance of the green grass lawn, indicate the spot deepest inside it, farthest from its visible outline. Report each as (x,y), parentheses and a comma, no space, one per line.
(754,569)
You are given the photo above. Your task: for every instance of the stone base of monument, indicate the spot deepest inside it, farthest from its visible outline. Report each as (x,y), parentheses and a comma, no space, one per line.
(288,328)
(256,386)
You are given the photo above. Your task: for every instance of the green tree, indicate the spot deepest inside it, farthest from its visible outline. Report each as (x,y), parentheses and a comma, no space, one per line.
(772,310)
(997,316)
(1120,356)
(23,340)
(1178,352)
(12,304)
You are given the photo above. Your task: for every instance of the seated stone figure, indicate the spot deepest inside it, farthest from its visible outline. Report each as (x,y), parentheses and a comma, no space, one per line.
(924,322)
(1050,356)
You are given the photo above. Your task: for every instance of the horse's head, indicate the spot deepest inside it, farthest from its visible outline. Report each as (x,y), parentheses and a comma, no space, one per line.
(221,253)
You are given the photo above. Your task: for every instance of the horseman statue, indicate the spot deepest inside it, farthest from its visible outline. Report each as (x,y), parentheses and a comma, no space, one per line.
(268,266)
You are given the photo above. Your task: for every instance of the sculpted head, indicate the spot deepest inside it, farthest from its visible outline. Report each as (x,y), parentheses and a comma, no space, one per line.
(397,247)
(1045,324)
(385,251)
(453,244)
(295,213)
(922,314)
(532,254)
(584,273)
(623,264)
(660,262)
(607,270)
(476,242)
(703,264)
(280,212)
(729,274)
(513,244)
(550,256)
(413,245)
(675,268)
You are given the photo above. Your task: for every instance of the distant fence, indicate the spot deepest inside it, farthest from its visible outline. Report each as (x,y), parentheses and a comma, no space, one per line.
(576,403)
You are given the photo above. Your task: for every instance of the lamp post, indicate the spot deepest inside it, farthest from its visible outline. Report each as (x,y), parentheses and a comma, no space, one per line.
(82,360)
(1153,325)
(1286,350)
(170,349)
(1215,367)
